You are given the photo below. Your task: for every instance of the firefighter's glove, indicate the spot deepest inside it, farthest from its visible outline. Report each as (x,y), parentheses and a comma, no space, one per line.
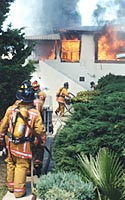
(3,151)
(38,167)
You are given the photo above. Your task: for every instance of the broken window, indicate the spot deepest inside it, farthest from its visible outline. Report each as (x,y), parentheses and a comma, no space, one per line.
(46,50)
(110,46)
(70,48)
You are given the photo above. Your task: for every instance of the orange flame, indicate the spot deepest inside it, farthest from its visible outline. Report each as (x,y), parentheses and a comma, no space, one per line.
(48,51)
(52,56)
(70,50)
(109,45)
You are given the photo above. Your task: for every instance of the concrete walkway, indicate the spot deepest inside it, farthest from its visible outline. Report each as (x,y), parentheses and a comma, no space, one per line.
(57,123)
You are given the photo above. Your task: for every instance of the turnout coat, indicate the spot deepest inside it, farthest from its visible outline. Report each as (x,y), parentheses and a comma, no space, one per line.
(62,93)
(22,150)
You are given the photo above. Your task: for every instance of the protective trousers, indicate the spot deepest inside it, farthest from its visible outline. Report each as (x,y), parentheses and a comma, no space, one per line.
(61,108)
(16,174)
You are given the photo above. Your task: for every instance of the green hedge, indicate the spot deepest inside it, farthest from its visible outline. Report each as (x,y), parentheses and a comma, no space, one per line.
(99,123)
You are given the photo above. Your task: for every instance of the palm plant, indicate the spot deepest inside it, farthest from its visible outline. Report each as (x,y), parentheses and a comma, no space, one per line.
(106,172)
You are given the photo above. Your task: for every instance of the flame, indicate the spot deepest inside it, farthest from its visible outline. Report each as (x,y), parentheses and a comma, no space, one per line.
(109,45)
(48,50)
(70,50)
(52,55)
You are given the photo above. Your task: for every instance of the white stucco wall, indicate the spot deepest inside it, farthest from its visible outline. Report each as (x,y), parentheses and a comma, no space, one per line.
(99,69)
(87,67)
(54,73)
(53,80)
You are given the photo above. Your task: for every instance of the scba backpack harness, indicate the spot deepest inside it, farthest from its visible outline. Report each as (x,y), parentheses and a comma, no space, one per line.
(67,99)
(59,92)
(17,135)
(20,121)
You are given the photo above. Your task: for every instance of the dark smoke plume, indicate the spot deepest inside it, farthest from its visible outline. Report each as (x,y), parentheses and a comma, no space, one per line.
(57,14)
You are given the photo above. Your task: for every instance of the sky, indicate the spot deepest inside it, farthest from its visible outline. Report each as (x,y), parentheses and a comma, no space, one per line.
(19,16)
(86,8)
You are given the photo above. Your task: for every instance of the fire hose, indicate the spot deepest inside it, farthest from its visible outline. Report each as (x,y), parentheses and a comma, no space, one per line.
(68,102)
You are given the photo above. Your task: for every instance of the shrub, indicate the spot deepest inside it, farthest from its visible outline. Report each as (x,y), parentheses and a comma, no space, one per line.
(85,96)
(99,123)
(64,185)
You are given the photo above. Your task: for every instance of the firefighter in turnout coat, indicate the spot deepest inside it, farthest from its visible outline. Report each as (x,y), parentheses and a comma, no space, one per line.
(19,137)
(40,97)
(61,95)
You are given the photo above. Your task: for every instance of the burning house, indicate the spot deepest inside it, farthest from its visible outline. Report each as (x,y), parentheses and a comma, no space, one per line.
(80,55)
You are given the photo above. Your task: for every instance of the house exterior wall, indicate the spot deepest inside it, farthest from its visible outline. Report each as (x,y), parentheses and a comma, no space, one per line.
(54,72)
(76,70)
(87,67)
(50,78)
(97,70)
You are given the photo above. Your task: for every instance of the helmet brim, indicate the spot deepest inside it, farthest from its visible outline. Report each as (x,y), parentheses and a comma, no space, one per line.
(25,100)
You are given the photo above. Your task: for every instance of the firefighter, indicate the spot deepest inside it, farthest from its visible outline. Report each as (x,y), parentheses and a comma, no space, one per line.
(61,95)
(92,85)
(19,138)
(40,97)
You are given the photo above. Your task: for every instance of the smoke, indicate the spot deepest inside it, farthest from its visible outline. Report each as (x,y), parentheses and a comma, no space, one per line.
(44,16)
(48,16)
(57,14)
(121,11)
(112,12)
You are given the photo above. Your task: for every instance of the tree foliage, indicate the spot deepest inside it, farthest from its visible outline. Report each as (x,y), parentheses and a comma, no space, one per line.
(13,48)
(14,65)
(4,10)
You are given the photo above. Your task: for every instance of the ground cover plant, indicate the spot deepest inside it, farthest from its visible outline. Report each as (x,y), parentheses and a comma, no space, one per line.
(64,185)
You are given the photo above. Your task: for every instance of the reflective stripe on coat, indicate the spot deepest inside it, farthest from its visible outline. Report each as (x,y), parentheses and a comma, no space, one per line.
(35,121)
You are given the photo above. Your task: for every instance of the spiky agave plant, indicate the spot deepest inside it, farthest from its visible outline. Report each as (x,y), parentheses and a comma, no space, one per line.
(106,172)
